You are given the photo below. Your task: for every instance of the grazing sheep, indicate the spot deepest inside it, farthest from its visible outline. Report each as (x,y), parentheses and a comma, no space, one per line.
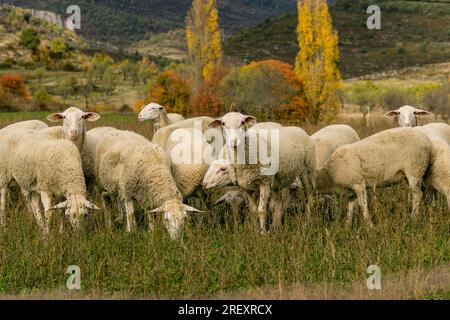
(438,174)
(131,167)
(379,160)
(157,113)
(295,159)
(51,167)
(407,115)
(236,198)
(73,127)
(326,141)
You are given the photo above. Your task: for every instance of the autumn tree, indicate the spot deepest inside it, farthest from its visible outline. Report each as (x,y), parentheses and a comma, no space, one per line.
(13,85)
(316,63)
(203,39)
(171,91)
(267,89)
(207,99)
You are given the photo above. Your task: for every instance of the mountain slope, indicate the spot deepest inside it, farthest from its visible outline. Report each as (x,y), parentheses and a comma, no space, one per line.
(411,34)
(122,22)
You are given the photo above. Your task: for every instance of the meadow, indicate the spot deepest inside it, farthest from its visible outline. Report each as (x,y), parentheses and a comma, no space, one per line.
(221,255)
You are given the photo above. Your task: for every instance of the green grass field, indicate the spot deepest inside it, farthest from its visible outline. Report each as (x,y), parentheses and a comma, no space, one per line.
(220,255)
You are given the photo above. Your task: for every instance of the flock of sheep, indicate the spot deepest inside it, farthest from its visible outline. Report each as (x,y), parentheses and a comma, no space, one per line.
(70,163)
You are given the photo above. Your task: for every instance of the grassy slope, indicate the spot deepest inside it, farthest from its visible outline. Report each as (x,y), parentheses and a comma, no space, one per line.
(406,39)
(219,254)
(122,22)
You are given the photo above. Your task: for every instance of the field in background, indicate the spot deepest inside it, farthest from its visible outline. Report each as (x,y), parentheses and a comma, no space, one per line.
(221,255)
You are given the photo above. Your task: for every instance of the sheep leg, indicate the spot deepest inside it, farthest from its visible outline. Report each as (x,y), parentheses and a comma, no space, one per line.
(33,205)
(308,188)
(277,209)
(47,203)
(361,194)
(2,206)
(414,184)
(264,194)
(351,208)
(129,209)
(107,210)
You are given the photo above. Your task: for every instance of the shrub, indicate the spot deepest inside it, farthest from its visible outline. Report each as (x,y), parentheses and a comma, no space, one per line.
(207,99)
(172,92)
(42,95)
(264,89)
(29,39)
(14,85)
(396,98)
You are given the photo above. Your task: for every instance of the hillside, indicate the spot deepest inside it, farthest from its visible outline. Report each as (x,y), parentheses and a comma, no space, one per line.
(122,22)
(12,24)
(412,34)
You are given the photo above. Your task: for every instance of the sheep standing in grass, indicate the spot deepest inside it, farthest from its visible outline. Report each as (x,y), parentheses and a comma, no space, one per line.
(295,158)
(74,129)
(158,115)
(438,174)
(42,165)
(407,115)
(131,167)
(326,141)
(379,160)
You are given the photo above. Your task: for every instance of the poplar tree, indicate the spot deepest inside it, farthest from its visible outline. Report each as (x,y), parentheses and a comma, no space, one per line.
(316,63)
(203,40)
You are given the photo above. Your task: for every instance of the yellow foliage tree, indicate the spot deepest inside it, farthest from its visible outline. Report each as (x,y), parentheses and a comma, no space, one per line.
(316,64)
(203,39)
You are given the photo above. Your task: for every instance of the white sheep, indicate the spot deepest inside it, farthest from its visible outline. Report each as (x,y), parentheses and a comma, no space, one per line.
(407,115)
(438,174)
(186,135)
(379,160)
(158,115)
(326,141)
(73,128)
(131,167)
(42,165)
(295,159)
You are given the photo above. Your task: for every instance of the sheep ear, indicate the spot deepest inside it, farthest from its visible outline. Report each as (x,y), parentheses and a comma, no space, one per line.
(91,205)
(392,114)
(56,117)
(158,210)
(250,121)
(419,112)
(216,123)
(91,116)
(61,205)
(221,200)
(190,209)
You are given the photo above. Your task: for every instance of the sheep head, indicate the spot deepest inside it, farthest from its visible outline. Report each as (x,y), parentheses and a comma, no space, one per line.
(151,112)
(76,208)
(235,125)
(407,115)
(175,213)
(218,175)
(73,121)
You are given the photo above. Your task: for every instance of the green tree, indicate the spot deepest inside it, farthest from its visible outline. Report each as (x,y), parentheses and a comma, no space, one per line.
(29,38)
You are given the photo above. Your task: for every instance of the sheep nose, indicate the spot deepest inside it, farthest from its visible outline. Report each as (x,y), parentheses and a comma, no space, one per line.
(74,132)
